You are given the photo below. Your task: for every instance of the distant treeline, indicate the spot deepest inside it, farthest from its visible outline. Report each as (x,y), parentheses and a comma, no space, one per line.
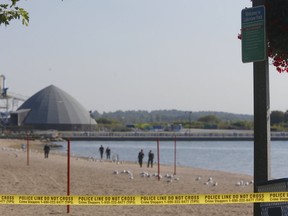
(168,116)
(170,120)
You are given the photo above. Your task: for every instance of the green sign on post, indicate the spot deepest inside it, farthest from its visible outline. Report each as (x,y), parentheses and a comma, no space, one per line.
(253,34)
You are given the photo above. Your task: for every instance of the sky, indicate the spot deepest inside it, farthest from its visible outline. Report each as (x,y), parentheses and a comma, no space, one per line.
(135,55)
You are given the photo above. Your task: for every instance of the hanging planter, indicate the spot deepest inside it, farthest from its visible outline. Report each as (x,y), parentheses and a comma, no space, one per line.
(277,33)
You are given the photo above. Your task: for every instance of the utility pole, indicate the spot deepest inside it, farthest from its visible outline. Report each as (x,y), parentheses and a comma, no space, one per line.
(90,116)
(262,140)
(189,113)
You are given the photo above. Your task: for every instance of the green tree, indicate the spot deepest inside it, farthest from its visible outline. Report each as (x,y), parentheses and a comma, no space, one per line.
(276,117)
(104,121)
(209,119)
(286,116)
(11,11)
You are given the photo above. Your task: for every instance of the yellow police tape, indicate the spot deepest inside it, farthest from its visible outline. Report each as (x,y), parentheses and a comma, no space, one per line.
(181,199)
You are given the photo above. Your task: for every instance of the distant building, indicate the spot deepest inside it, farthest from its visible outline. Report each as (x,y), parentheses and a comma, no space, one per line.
(130,126)
(173,127)
(52,109)
(158,128)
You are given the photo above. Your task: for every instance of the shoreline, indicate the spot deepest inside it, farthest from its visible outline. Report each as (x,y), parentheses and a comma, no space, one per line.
(89,177)
(184,135)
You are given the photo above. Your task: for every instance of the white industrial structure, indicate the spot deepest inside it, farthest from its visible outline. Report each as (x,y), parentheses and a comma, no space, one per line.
(9,102)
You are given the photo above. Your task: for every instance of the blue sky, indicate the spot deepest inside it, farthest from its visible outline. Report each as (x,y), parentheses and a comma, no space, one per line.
(135,55)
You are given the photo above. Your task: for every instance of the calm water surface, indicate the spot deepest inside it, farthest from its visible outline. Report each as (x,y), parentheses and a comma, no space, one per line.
(230,156)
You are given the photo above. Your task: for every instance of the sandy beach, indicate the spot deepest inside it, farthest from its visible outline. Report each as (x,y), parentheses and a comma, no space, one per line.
(88,177)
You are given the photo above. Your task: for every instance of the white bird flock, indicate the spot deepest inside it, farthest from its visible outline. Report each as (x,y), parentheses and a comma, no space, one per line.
(243,184)
(213,183)
(168,177)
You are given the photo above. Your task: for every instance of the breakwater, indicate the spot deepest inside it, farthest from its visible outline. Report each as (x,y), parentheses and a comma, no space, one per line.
(188,135)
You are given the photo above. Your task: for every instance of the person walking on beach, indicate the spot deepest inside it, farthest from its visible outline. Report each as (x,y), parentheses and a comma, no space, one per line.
(108,152)
(140,157)
(101,150)
(46,150)
(150,159)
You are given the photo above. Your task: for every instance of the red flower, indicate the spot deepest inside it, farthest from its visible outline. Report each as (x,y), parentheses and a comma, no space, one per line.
(279,69)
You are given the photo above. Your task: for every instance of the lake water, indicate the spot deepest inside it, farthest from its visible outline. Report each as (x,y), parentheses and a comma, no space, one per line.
(229,156)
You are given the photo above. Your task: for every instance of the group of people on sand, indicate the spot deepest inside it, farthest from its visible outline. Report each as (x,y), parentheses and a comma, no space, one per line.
(140,156)
(150,158)
(107,151)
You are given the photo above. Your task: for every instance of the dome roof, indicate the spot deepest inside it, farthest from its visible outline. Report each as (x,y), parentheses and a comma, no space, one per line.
(52,108)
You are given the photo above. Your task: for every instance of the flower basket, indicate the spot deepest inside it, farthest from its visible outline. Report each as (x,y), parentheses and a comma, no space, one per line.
(277,33)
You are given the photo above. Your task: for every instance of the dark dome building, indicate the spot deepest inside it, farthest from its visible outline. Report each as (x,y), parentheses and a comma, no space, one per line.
(52,109)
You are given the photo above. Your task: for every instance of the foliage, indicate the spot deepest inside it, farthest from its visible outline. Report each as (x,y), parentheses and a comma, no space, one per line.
(11,11)
(167,116)
(241,125)
(286,116)
(204,120)
(168,119)
(110,125)
(277,33)
(144,126)
(104,121)
(209,119)
(276,117)
(279,121)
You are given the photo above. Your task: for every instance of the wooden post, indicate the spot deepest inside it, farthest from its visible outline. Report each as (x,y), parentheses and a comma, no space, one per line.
(261,122)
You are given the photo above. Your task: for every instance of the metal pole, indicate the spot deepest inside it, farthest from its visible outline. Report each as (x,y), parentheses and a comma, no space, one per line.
(90,112)
(158,158)
(190,113)
(27,148)
(261,122)
(175,155)
(68,172)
